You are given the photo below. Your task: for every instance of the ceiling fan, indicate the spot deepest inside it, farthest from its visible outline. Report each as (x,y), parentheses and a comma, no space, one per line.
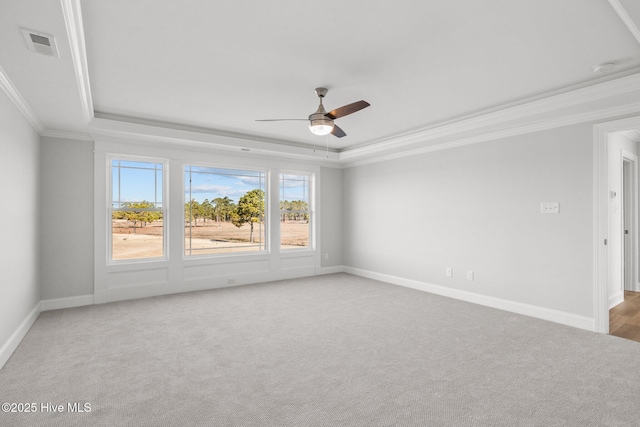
(321,122)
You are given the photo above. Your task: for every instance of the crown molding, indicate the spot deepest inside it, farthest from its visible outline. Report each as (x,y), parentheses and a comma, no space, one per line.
(116,126)
(63,134)
(17,99)
(75,30)
(520,130)
(114,123)
(519,119)
(622,13)
(521,111)
(124,127)
(517,116)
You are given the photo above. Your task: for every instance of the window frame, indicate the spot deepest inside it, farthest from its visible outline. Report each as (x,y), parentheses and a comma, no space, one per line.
(310,209)
(266,173)
(165,207)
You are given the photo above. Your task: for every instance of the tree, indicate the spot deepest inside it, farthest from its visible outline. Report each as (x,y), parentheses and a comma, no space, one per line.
(142,217)
(222,208)
(192,211)
(187,213)
(250,209)
(285,205)
(294,210)
(206,210)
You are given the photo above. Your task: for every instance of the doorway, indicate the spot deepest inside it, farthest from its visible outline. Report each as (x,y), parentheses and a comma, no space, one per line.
(616,190)
(624,318)
(620,262)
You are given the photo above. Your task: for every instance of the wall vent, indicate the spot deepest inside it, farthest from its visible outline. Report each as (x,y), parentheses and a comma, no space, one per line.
(42,43)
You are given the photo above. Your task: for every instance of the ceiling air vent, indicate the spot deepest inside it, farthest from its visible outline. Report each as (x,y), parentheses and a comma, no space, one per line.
(42,43)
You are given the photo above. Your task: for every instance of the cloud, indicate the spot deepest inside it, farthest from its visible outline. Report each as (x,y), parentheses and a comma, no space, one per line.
(294,181)
(222,183)
(253,181)
(209,188)
(215,191)
(292,184)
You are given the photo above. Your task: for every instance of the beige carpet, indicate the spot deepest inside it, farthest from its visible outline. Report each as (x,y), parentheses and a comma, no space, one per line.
(335,350)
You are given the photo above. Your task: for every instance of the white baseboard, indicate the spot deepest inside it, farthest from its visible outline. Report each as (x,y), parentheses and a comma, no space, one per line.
(18,335)
(14,340)
(543,313)
(331,270)
(206,283)
(615,299)
(69,302)
(561,317)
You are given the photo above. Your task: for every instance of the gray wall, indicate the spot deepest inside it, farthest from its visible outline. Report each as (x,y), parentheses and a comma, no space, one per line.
(68,247)
(478,208)
(470,208)
(331,221)
(19,176)
(67,218)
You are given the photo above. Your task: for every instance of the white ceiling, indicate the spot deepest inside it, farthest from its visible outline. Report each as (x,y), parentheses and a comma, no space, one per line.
(212,68)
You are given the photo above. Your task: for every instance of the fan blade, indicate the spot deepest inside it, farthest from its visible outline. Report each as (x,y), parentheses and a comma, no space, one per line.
(347,109)
(278,120)
(337,131)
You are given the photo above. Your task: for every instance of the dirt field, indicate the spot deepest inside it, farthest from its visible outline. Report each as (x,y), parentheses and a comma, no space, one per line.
(212,238)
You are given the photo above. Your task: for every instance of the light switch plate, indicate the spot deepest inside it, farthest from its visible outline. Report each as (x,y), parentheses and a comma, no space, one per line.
(550,207)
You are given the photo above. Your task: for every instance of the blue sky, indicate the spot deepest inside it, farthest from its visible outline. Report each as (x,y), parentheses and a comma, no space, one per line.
(143,181)
(211,183)
(137,181)
(294,187)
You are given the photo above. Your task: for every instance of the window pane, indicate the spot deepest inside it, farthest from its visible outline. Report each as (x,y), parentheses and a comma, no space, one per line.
(137,216)
(136,182)
(295,215)
(145,241)
(224,211)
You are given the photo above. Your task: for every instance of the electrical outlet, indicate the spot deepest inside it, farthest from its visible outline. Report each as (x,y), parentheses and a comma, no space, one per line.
(449,272)
(231,281)
(549,207)
(469,275)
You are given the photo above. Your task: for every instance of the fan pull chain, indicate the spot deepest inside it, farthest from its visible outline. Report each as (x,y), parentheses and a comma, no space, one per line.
(327,146)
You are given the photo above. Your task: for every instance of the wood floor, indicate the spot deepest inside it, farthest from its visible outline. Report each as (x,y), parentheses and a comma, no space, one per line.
(624,319)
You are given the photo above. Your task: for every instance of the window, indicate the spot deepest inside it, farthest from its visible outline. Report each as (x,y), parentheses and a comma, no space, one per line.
(224,211)
(295,213)
(137,211)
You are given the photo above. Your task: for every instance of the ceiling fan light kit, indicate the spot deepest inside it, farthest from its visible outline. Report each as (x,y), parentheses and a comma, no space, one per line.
(321,122)
(321,126)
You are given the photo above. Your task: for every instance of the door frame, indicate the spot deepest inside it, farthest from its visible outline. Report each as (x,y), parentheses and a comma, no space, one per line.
(601,217)
(630,196)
